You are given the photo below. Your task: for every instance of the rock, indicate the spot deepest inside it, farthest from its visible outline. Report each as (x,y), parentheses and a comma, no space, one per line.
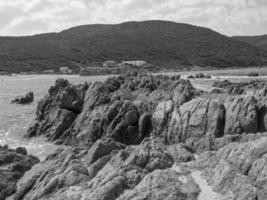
(161,116)
(56,111)
(183,91)
(262,114)
(253,74)
(238,169)
(21,150)
(181,153)
(106,171)
(163,184)
(253,87)
(241,115)
(196,118)
(13,165)
(120,108)
(28,98)
(102,148)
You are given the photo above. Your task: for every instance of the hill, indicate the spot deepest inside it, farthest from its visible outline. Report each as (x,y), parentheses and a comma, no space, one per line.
(259,41)
(162,43)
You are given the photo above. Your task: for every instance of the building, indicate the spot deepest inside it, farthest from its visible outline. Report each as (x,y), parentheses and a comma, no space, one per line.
(137,63)
(65,70)
(110,63)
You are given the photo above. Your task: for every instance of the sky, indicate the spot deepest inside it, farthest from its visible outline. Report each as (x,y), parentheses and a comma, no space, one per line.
(229,17)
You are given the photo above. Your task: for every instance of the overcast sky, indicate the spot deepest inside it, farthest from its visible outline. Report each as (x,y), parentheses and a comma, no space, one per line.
(230,17)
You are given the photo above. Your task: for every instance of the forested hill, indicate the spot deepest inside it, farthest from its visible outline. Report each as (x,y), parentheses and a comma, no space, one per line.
(162,43)
(259,41)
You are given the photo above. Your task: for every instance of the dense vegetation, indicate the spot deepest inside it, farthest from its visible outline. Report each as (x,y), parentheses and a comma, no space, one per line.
(163,43)
(259,41)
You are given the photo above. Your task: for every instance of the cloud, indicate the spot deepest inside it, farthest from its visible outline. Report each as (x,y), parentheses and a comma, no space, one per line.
(231,17)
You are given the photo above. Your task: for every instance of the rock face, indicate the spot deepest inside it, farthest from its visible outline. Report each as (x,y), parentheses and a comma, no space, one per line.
(28,98)
(125,135)
(238,170)
(58,109)
(120,108)
(106,171)
(13,164)
(196,119)
(241,115)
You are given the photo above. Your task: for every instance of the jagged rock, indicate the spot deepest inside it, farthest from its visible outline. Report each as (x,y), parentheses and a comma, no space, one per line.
(28,98)
(181,153)
(241,115)
(13,164)
(161,116)
(262,114)
(183,91)
(196,118)
(253,87)
(57,110)
(102,148)
(121,108)
(237,169)
(104,172)
(163,184)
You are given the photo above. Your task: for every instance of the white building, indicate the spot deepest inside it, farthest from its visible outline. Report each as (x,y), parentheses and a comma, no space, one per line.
(65,70)
(110,63)
(137,63)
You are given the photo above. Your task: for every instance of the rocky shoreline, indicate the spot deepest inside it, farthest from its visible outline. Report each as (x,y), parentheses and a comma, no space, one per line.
(127,133)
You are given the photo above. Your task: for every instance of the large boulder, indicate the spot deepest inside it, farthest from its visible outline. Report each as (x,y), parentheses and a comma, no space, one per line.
(195,119)
(57,110)
(241,115)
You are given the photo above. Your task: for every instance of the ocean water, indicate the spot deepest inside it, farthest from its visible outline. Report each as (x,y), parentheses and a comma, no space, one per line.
(15,118)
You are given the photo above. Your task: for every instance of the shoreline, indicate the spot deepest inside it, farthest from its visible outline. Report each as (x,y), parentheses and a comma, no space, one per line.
(242,71)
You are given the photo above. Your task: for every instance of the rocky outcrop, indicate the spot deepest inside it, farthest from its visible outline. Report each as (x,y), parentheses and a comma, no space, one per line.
(138,137)
(237,170)
(106,171)
(58,109)
(196,119)
(163,184)
(253,87)
(120,108)
(28,98)
(13,164)
(241,115)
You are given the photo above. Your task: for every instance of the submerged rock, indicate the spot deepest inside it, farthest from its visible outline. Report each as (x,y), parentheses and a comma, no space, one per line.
(28,98)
